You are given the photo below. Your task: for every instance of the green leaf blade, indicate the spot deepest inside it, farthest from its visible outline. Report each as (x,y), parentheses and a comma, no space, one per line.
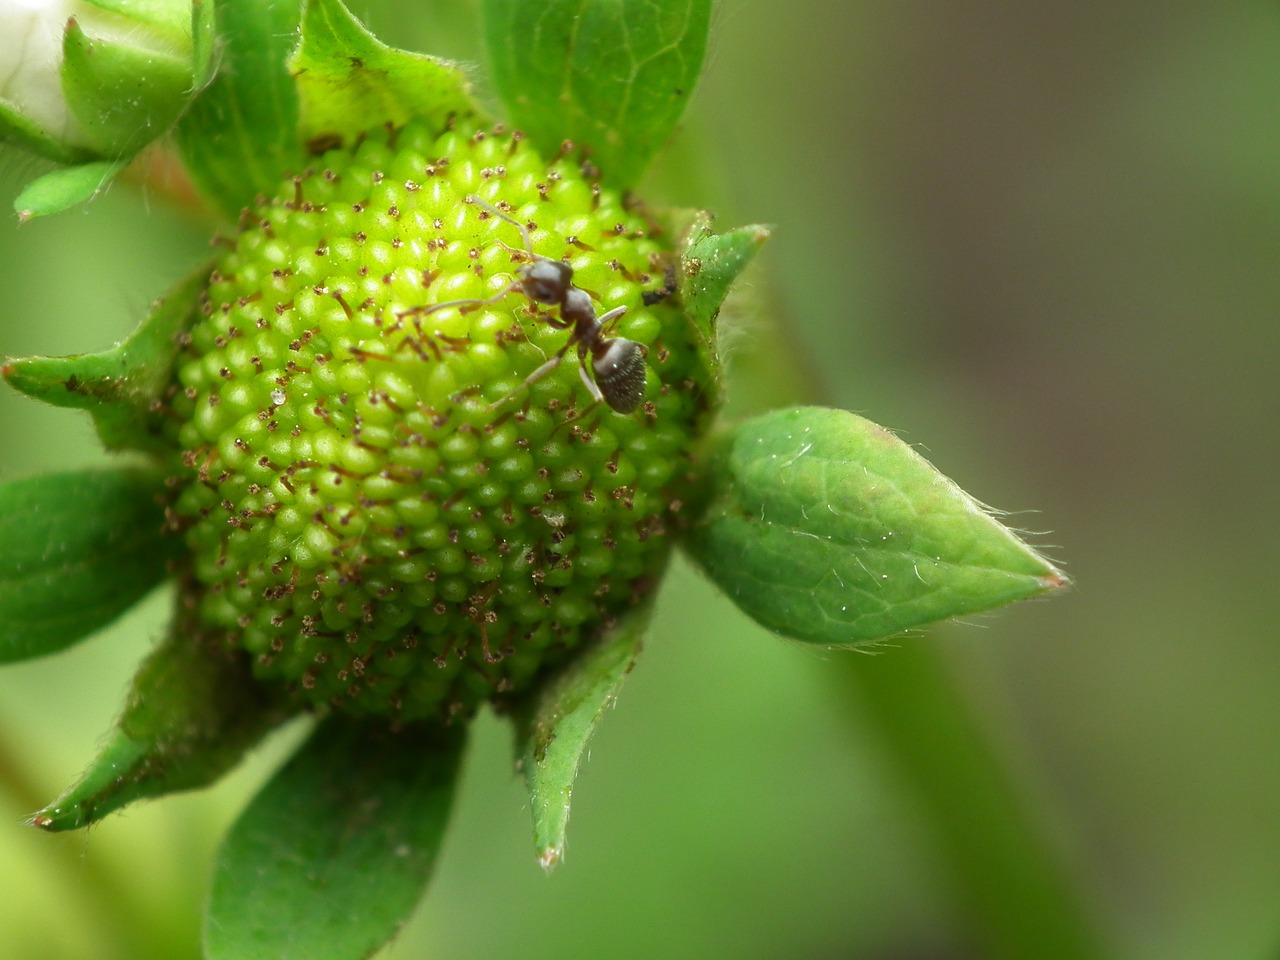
(349,81)
(554,727)
(76,551)
(613,76)
(827,528)
(332,855)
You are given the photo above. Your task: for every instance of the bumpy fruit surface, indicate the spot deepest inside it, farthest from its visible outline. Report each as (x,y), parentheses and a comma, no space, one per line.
(380,511)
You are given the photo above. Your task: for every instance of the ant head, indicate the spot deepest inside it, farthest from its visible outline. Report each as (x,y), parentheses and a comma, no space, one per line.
(546,281)
(618,366)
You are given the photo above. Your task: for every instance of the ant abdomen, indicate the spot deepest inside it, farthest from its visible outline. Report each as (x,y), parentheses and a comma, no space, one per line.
(619,370)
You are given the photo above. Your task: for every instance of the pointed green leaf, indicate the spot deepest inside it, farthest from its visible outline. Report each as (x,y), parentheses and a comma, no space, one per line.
(123,95)
(123,388)
(553,728)
(76,551)
(330,857)
(613,76)
(828,528)
(193,712)
(240,136)
(61,189)
(350,82)
(709,264)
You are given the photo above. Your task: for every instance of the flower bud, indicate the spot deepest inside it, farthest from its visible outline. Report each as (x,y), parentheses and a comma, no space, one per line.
(80,80)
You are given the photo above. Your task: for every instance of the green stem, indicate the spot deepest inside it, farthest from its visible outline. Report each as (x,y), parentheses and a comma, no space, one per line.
(1006,872)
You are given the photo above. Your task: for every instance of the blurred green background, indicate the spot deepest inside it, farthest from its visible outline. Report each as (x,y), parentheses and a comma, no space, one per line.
(1043,243)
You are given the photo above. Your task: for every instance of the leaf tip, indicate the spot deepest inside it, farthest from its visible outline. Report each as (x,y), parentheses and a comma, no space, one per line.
(1055,579)
(50,820)
(549,857)
(64,813)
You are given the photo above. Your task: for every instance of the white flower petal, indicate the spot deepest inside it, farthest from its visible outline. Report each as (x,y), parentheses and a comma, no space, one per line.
(30,62)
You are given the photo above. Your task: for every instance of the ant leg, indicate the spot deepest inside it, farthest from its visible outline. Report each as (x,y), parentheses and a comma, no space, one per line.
(429,308)
(597,397)
(570,421)
(537,375)
(610,317)
(590,384)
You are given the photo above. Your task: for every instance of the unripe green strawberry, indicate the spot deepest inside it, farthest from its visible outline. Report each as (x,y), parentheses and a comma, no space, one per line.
(380,511)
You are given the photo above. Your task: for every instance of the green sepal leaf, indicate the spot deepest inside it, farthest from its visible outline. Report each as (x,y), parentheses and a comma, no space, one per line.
(827,528)
(165,23)
(193,712)
(123,96)
(62,189)
(349,81)
(240,136)
(553,726)
(124,388)
(330,857)
(204,43)
(709,264)
(613,76)
(76,551)
(19,129)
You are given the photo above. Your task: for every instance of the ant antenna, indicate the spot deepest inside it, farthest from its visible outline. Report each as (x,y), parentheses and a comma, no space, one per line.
(524,231)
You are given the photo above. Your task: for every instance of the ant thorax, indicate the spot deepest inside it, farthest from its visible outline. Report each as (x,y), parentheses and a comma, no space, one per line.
(576,308)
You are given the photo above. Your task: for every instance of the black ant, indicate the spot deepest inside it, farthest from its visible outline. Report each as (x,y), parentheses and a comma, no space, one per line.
(617,365)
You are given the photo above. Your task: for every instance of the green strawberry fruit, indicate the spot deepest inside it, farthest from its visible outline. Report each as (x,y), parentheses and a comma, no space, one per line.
(406,510)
